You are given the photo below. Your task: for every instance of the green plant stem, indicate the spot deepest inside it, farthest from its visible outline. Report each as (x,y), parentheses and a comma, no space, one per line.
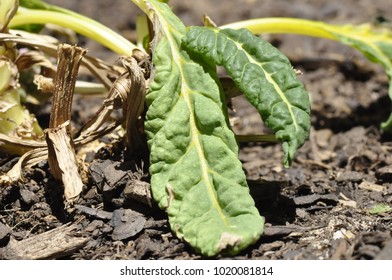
(80,24)
(284,25)
(89,88)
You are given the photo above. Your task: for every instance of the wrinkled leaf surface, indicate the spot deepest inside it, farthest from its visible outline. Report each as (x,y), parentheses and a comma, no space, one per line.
(196,174)
(264,75)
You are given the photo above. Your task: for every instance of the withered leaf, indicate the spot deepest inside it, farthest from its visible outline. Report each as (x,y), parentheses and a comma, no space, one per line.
(62,160)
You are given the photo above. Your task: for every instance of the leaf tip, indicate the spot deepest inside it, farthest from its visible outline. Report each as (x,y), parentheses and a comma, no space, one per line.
(228,241)
(289,150)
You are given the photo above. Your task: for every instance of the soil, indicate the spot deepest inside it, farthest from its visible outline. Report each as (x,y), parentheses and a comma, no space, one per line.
(319,208)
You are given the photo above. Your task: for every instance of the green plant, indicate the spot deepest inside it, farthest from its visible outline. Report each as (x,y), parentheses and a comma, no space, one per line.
(14,118)
(195,172)
(374,42)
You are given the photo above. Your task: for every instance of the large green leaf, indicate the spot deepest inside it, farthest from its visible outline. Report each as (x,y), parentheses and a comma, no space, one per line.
(264,75)
(374,41)
(196,174)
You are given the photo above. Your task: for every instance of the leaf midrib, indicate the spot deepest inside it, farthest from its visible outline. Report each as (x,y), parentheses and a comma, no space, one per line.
(185,93)
(269,78)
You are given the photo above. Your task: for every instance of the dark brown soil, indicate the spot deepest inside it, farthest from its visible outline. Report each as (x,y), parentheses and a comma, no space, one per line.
(319,208)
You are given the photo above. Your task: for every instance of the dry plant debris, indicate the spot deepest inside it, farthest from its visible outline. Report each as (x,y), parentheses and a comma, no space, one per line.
(126,92)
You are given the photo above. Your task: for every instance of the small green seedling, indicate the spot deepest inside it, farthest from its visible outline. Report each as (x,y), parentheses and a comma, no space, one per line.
(196,175)
(380,208)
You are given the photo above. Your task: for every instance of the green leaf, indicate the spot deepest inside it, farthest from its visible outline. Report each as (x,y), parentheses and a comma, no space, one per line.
(36,5)
(380,208)
(7,11)
(375,42)
(264,75)
(196,174)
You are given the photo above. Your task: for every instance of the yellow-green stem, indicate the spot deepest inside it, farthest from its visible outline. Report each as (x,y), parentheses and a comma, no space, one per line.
(84,26)
(284,25)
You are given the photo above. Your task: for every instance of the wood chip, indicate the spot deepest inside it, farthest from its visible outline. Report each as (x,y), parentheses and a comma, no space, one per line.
(129,228)
(286,230)
(139,191)
(313,198)
(348,203)
(53,244)
(276,245)
(371,187)
(126,223)
(97,213)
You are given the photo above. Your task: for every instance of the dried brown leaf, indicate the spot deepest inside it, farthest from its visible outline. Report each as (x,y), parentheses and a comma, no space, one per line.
(61,154)
(48,45)
(128,93)
(69,59)
(44,84)
(95,127)
(134,104)
(27,59)
(62,160)
(28,160)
